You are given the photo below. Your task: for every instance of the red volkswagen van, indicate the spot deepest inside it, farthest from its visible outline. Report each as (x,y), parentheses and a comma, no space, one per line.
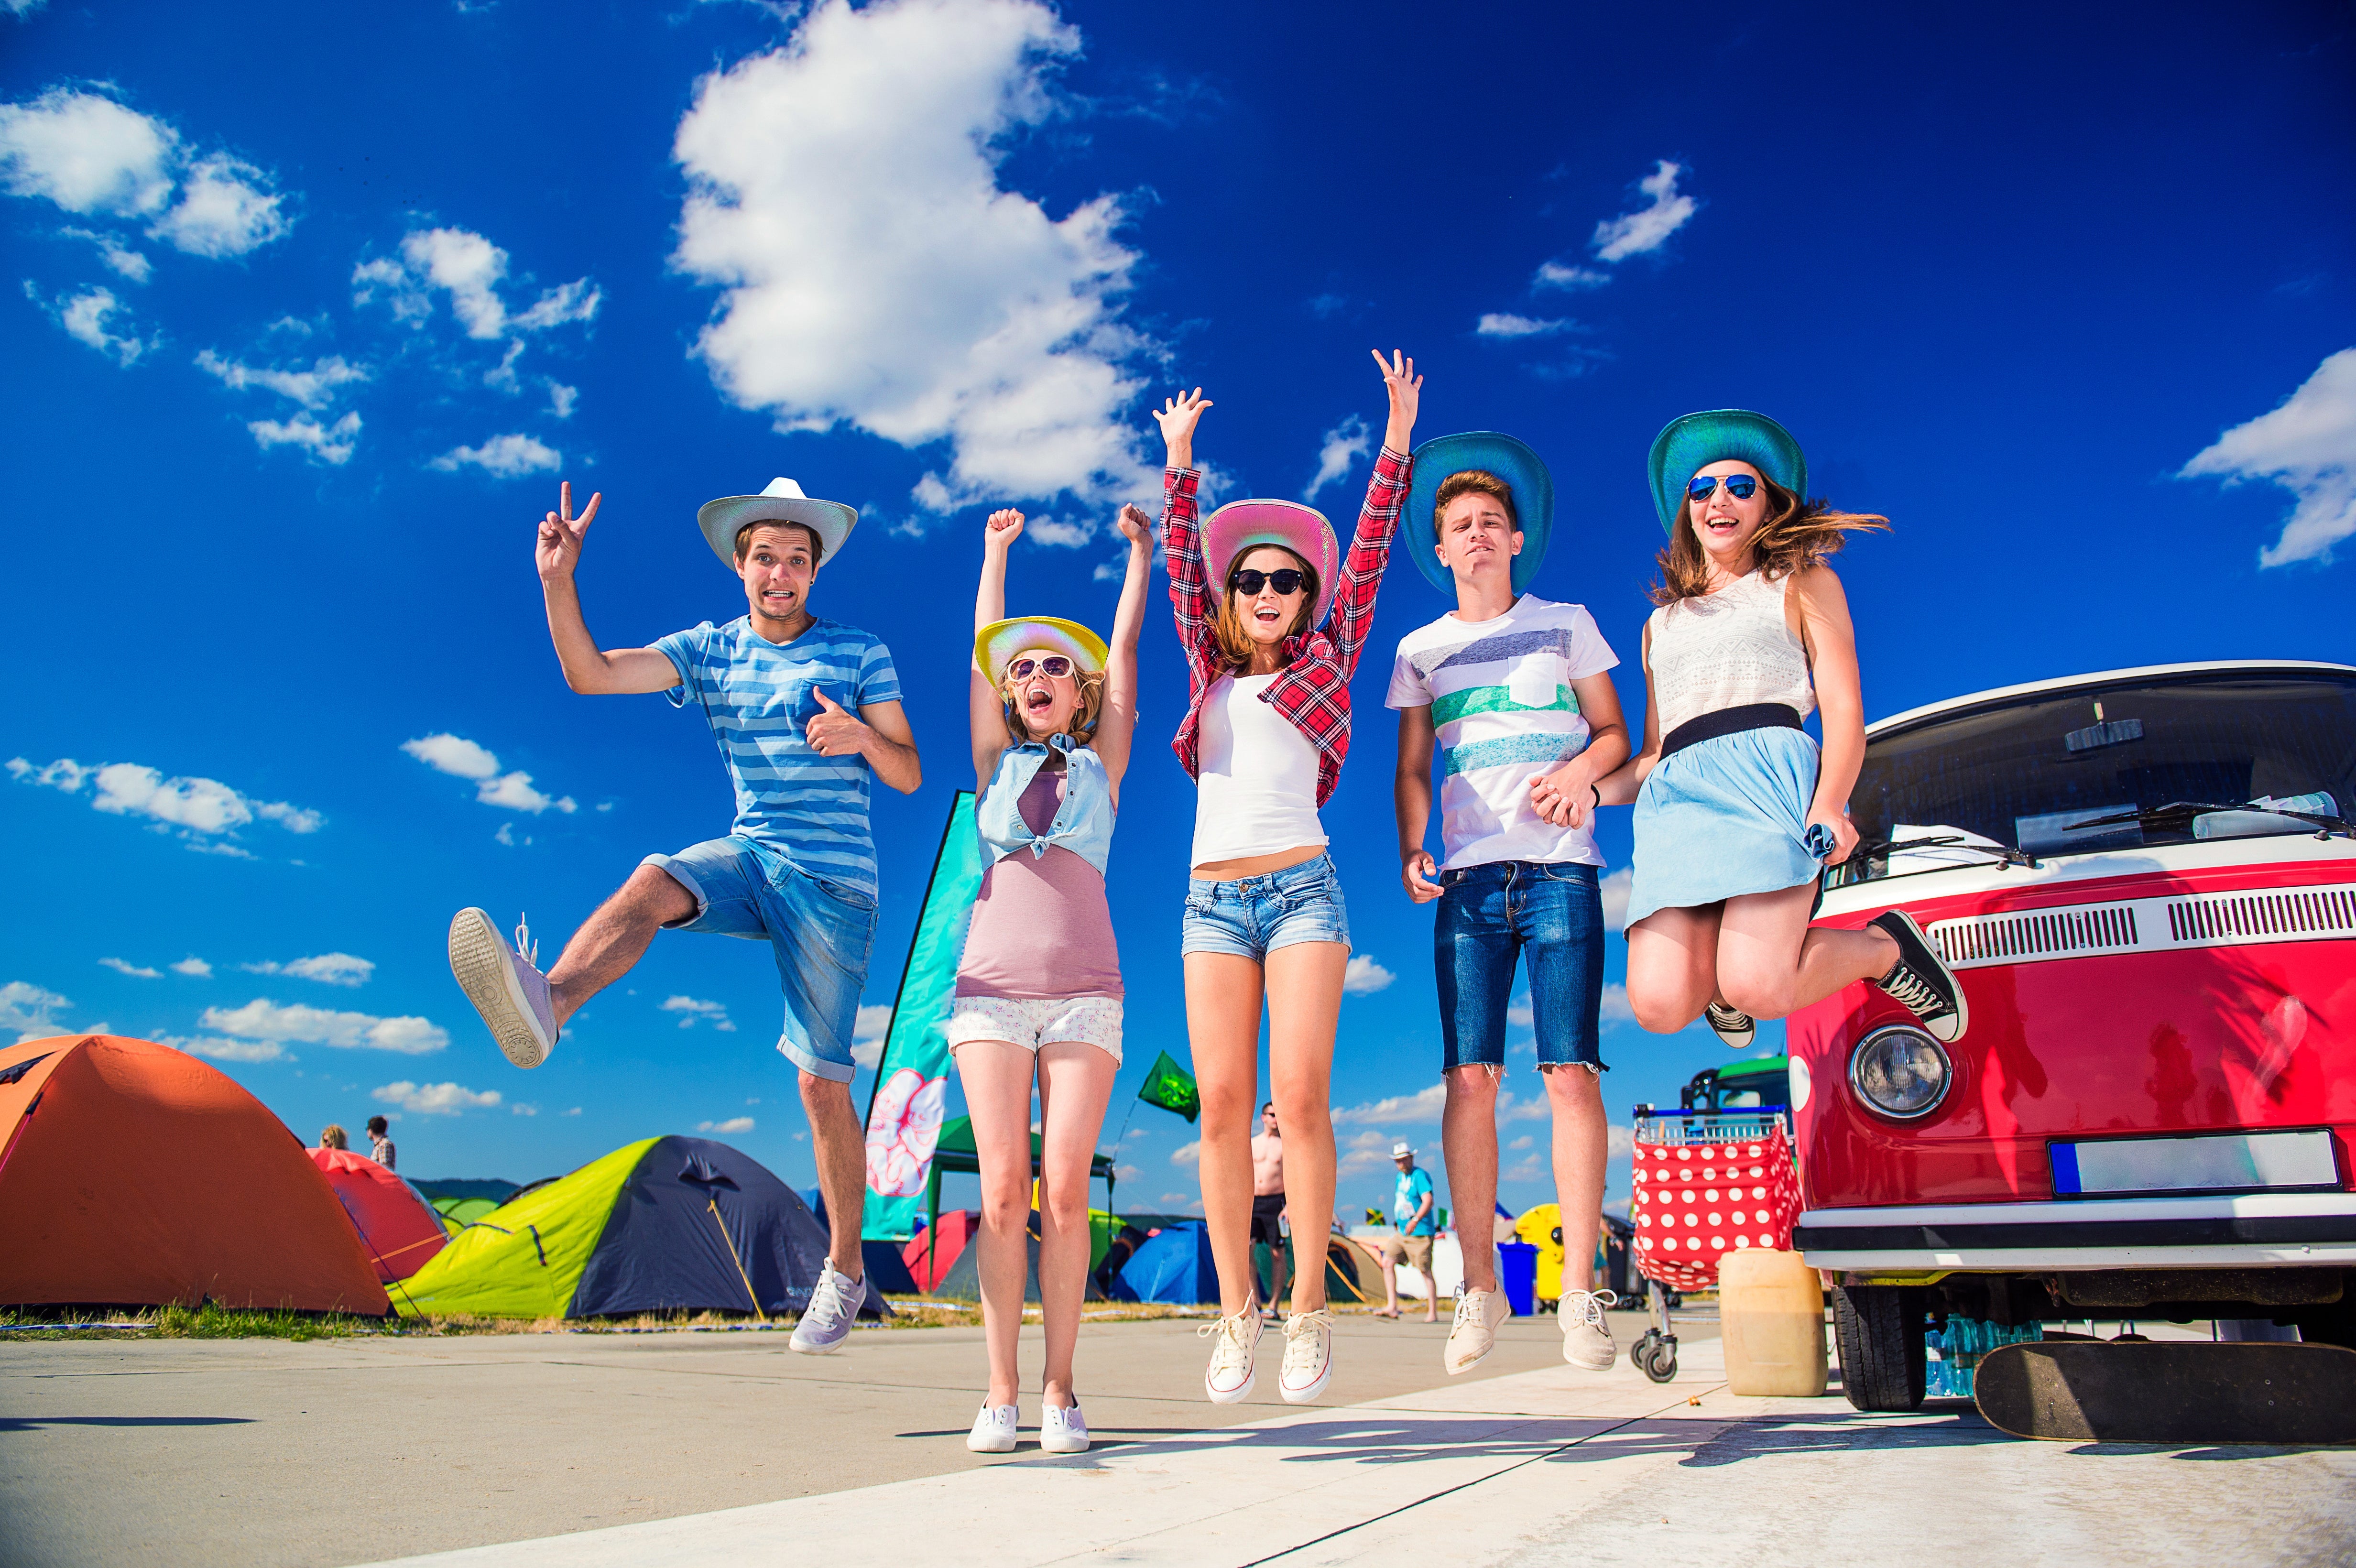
(2146,885)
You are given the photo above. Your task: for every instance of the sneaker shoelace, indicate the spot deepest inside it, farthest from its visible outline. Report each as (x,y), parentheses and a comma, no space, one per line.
(1304,1339)
(1589,1310)
(826,1302)
(526,948)
(1464,1312)
(1912,991)
(1232,1347)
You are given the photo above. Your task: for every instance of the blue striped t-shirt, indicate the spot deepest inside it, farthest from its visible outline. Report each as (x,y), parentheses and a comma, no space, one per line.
(759,698)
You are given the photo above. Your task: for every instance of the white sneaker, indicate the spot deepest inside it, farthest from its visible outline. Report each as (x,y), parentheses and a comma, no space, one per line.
(1307,1356)
(993,1430)
(1062,1429)
(505,986)
(1586,1336)
(1475,1333)
(834,1307)
(1228,1378)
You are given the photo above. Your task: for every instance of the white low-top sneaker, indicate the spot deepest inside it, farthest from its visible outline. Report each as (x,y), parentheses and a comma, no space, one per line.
(1228,1378)
(993,1430)
(1473,1334)
(1586,1336)
(834,1307)
(505,985)
(1062,1429)
(1307,1356)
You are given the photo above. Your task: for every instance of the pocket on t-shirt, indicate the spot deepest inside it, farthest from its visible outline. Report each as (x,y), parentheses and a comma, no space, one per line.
(1538,679)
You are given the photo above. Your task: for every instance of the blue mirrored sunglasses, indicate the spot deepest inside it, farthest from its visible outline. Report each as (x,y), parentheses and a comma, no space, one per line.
(1741,487)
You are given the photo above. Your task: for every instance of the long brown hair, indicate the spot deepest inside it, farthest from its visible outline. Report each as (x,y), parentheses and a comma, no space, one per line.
(1796,536)
(1228,627)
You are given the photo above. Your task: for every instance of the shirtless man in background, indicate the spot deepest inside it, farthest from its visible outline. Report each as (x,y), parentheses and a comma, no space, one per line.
(1267,1203)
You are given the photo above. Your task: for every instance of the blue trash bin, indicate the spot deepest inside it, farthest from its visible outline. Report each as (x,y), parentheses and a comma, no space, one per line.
(1517,1270)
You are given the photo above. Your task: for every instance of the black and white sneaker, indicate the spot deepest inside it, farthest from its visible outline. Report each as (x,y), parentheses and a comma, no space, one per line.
(1920,978)
(1737,1028)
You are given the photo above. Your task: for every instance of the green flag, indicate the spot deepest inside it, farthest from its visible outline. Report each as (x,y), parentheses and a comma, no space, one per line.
(1171,1087)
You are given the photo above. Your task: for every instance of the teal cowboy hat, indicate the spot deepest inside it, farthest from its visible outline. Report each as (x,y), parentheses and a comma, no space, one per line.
(1525,473)
(1691,443)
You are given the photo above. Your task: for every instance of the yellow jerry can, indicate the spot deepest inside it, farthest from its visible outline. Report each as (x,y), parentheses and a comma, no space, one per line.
(1542,1228)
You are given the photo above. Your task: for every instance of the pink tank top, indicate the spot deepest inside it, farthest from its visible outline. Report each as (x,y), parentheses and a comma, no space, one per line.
(1041,927)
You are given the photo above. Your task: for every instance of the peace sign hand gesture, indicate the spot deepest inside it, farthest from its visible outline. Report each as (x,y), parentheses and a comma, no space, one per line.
(558,551)
(1406,389)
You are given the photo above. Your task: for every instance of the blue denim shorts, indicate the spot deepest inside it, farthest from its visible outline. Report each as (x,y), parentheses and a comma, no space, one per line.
(1251,917)
(1550,915)
(819,931)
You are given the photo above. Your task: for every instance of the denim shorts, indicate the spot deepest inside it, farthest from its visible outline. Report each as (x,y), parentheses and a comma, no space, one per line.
(819,931)
(1251,917)
(1550,915)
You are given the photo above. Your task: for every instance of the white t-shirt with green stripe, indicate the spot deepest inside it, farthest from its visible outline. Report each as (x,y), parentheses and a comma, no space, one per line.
(1503,708)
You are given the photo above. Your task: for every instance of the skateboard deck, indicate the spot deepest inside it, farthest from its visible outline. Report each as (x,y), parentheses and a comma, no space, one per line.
(2169,1391)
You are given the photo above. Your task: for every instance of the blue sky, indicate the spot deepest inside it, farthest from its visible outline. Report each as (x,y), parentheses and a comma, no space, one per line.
(315,307)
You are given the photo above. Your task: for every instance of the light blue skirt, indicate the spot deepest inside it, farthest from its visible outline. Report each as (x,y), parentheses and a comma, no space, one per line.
(1726,818)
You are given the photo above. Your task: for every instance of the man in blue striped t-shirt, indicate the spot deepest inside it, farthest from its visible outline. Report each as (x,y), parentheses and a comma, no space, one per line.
(806,711)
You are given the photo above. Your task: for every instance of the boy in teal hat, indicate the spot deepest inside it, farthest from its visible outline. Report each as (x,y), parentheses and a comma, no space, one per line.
(1513,690)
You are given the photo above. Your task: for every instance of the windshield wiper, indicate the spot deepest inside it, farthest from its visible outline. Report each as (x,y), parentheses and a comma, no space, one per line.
(2004,854)
(2183,812)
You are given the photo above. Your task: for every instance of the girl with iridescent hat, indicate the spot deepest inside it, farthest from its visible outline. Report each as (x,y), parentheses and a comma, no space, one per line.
(1738,809)
(1267,728)
(1038,996)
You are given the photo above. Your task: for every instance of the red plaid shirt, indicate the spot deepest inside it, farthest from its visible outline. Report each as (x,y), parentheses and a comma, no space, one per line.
(1314,690)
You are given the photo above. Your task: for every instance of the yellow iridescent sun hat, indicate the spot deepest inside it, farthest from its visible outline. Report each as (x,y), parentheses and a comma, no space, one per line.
(997,643)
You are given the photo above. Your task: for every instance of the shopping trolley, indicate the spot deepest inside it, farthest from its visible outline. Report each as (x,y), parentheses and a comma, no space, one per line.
(1706,1183)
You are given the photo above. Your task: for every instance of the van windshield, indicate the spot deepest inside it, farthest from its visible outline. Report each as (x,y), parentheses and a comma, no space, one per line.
(2035,771)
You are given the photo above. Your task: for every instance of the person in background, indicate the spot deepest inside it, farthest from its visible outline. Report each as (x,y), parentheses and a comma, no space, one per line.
(1267,1204)
(1414,1208)
(380,1142)
(334,1137)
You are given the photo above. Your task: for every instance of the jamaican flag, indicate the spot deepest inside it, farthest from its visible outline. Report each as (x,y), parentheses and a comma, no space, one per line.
(1171,1087)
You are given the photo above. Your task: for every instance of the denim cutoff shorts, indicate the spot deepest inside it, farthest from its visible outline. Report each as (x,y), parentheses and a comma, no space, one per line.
(1550,915)
(819,932)
(1251,917)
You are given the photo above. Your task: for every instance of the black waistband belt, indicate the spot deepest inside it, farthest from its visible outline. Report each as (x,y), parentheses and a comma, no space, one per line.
(1731,722)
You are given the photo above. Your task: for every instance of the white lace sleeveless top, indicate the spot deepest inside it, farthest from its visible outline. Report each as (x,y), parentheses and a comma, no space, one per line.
(1728,649)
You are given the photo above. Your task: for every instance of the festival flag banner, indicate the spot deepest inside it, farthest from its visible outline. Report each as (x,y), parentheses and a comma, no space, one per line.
(1171,1087)
(903,1115)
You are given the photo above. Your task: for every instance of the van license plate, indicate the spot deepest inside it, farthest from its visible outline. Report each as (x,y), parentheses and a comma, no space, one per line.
(2206,1162)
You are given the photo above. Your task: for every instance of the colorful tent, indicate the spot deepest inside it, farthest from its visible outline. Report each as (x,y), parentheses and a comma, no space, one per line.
(662,1225)
(463,1212)
(1172,1265)
(134,1175)
(400,1230)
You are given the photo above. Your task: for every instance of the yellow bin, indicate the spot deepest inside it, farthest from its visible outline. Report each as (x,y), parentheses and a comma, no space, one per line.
(1770,1309)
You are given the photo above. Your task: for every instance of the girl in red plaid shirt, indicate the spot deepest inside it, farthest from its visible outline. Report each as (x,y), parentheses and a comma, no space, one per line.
(1270,643)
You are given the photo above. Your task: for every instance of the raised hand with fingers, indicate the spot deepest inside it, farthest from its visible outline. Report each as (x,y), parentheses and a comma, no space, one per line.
(836,732)
(558,551)
(1135,526)
(1416,872)
(1406,389)
(1004,527)
(1177,417)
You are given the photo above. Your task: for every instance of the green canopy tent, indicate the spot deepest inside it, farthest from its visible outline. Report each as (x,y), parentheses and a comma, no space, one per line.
(955,1154)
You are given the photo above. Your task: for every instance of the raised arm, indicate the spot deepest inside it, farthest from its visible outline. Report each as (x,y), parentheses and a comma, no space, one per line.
(1182,538)
(1411,800)
(1831,643)
(587,668)
(1117,726)
(1370,545)
(986,708)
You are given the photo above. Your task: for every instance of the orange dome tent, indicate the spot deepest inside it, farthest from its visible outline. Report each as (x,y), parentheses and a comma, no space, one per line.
(132,1174)
(397,1228)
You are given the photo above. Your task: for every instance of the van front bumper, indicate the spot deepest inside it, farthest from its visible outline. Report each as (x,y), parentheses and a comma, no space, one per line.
(2252,1230)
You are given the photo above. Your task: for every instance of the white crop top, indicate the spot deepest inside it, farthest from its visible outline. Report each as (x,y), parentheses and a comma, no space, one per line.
(1256,776)
(1728,649)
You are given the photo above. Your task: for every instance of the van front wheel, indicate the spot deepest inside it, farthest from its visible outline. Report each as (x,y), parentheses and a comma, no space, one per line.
(1880,1330)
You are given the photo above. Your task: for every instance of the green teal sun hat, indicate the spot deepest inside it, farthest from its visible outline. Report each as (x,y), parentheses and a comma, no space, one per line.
(1525,473)
(995,646)
(782,502)
(1693,442)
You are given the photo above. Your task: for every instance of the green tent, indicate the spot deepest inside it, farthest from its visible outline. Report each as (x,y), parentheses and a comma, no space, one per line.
(955,1154)
(464,1211)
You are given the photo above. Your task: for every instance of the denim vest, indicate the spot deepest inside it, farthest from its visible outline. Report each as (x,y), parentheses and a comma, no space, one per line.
(1083,822)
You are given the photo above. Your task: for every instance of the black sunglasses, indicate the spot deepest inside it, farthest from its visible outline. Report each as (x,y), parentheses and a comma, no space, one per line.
(1053,664)
(1741,487)
(1285,579)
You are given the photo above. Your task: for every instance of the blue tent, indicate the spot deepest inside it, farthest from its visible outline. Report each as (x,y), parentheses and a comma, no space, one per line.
(1172,1265)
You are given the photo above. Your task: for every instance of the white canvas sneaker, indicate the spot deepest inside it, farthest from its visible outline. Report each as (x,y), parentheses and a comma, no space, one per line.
(1062,1429)
(1228,1378)
(834,1307)
(1586,1336)
(1307,1356)
(505,985)
(993,1430)
(1473,1334)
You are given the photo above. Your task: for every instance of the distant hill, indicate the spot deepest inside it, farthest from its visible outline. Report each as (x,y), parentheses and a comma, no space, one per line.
(491,1187)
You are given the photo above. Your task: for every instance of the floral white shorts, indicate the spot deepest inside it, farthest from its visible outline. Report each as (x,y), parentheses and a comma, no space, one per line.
(1091,1020)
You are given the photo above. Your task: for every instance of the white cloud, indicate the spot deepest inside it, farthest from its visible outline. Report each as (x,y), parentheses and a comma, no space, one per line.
(1345,444)
(1616,1009)
(120,258)
(1187,1153)
(435,1099)
(1525,1141)
(221,1050)
(560,399)
(2308,447)
(733,1125)
(522,1108)
(122,966)
(1362,977)
(1560,275)
(1505,323)
(328,968)
(299,1025)
(462,758)
(197,805)
(333,444)
(1620,1143)
(92,317)
(503,457)
(1614,890)
(845,195)
(1364,1151)
(1423,1105)
(1649,227)
(313,388)
(193,966)
(692,1009)
(1067,533)
(226,209)
(468,269)
(90,155)
(27,1008)
(867,1036)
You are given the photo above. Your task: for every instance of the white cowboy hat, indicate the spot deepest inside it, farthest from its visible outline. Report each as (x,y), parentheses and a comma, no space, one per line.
(782,502)
(1400,1151)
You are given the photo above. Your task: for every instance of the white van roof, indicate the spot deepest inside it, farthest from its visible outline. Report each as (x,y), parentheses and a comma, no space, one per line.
(2101,677)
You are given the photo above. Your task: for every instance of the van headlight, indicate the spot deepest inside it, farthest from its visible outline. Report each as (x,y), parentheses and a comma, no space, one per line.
(1900,1071)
